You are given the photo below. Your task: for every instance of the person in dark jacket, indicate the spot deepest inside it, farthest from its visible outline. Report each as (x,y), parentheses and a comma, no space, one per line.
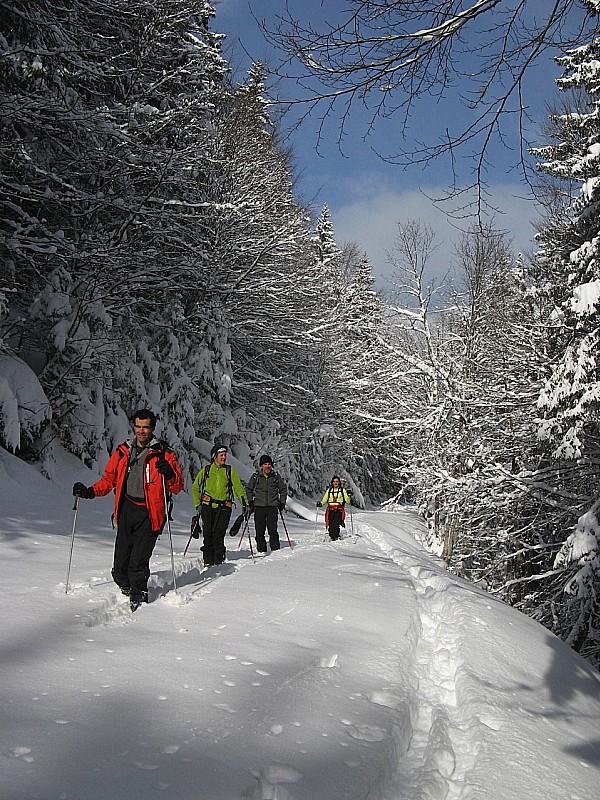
(267,493)
(136,471)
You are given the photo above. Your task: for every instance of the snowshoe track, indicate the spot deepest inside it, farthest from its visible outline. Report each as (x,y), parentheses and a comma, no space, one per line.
(446,739)
(112,608)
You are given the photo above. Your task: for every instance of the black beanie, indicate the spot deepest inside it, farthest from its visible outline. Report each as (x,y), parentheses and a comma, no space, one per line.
(216,449)
(265,460)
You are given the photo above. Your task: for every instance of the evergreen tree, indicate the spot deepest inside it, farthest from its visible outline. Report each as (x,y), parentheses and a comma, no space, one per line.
(568,284)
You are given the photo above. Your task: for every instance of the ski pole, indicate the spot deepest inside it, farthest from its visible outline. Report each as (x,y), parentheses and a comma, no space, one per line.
(251,548)
(351,520)
(169,530)
(286,530)
(244,529)
(243,534)
(75,506)
(187,545)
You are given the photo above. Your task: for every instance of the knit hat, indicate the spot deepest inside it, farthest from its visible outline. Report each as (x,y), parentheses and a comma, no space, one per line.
(216,449)
(265,460)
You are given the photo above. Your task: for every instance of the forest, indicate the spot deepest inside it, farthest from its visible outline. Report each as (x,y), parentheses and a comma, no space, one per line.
(154,253)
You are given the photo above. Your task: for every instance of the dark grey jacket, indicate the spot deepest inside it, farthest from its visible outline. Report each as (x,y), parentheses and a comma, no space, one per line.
(266,491)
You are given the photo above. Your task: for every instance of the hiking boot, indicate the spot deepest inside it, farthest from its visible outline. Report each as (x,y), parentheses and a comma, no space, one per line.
(137,601)
(126,590)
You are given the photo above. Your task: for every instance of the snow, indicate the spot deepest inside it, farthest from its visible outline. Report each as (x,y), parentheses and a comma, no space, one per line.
(585,297)
(354,669)
(23,404)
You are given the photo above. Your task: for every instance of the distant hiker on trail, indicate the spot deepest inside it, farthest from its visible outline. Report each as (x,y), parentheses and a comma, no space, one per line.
(267,493)
(335,499)
(139,471)
(212,493)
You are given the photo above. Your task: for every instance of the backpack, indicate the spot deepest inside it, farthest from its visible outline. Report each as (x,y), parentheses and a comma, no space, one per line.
(229,484)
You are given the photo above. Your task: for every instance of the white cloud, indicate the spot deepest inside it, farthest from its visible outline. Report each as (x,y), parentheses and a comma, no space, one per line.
(371,219)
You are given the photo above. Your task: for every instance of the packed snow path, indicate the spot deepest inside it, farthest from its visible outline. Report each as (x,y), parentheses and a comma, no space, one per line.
(333,671)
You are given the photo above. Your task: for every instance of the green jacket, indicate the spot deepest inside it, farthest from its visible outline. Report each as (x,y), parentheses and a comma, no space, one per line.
(217,486)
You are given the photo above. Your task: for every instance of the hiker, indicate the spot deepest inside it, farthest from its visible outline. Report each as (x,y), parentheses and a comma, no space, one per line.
(267,493)
(142,472)
(212,493)
(335,498)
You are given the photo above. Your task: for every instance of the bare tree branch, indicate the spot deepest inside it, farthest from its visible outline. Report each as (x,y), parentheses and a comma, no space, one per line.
(387,58)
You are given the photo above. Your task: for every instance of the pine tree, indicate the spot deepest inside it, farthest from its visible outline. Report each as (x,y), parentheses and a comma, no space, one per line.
(568,285)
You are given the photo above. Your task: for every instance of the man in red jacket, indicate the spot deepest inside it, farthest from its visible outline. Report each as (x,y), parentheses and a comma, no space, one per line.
(139,471)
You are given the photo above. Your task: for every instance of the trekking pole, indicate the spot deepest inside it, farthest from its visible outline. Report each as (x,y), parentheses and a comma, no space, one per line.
(251,548)
(169,530)
(243,534)
(244,529)
(351,520)
(286,530)
(75,506)
(187,545)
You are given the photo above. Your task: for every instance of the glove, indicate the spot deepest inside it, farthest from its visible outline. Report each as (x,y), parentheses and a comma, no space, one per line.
(165,469)
(251,507)
(246,511)
(81,490)
(319,504)
(195,527)
(281,506)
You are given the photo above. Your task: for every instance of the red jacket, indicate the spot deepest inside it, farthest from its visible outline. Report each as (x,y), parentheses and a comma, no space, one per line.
(116,471)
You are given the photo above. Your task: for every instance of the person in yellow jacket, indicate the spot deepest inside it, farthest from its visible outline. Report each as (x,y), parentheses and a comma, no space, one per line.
(212,493)
(335,499)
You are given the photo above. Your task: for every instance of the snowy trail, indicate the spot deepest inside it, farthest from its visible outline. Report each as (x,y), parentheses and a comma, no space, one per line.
(444,742)
(336,705)
(349,671)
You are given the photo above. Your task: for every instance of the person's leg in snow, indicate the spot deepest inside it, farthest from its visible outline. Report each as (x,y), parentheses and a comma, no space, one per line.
(220,529)
(335,519)
(134,546)
(260,526)
(272,528)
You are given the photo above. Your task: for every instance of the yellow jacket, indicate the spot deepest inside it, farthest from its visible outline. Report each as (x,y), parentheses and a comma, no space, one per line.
(335,497)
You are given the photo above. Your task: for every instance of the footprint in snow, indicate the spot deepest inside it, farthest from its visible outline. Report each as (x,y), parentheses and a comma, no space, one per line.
(329,661)
(383,697)
(367,733)
(272,780)
(20,752)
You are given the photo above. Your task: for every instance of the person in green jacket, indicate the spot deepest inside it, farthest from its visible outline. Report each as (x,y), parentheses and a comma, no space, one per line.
(212,493)
(335,499)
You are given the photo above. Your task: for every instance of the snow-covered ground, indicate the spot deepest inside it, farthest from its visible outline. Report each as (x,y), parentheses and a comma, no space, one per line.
(354,669)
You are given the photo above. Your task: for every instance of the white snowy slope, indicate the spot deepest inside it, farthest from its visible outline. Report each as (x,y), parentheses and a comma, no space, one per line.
(330,671)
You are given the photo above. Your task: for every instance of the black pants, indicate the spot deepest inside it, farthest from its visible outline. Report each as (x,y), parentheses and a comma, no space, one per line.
(335,520)
(266,519)
(214,527)
(133,548)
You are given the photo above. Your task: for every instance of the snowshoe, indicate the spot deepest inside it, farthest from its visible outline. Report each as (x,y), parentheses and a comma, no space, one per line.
(235,528)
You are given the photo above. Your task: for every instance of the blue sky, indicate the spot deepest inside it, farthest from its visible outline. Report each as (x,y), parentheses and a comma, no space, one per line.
(366,195)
